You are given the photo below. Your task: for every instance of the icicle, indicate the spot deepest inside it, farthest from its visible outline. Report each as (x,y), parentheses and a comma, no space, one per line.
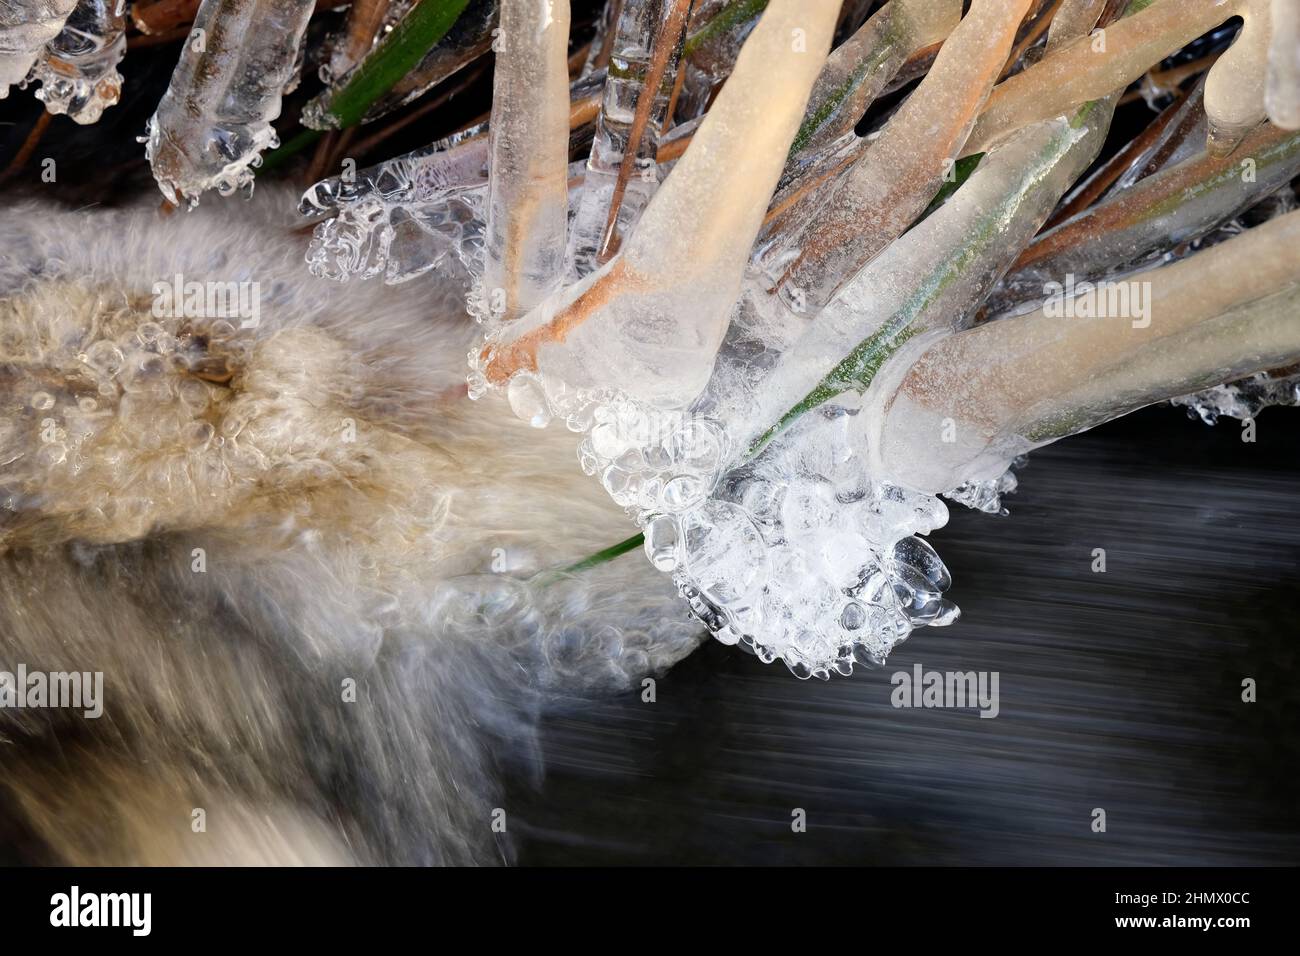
(215,118)
(1075,19)
(78,68)
(663,303)
(883,194)
(644,51)
(528,195)
(25,27)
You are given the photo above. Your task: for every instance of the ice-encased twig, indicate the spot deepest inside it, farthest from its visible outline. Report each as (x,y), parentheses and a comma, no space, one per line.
(1089,69)
(528,192)
(622,172)
(1234,86)
(215,118)
(1074,19)
(1282,94)
(1181,138)
(1021,382)
(858,70)
(1160,212)
(366,22)
(661,306)
(25,27)
(935,275)
(872,203)
(387,217)
(78,68)
(466,37)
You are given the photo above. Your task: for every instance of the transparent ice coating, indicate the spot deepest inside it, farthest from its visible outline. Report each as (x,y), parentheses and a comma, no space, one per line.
(1234,86)
(468,38)
(1021,382)
(367,22)
(860,68)
(936,274)
(215,118)
(1074,19)
(403,217)
(1159,212)
(717,32)
(1243,399)
(25,27)
(659,309)
(78,68)
(1282,93)
(528,192)
(883,193)
(1181,138)
(1088,68)
(627,124)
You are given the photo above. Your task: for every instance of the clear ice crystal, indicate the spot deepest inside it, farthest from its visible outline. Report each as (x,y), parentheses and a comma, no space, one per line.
(25,27)
(214,121)
(403,217)
(78,68)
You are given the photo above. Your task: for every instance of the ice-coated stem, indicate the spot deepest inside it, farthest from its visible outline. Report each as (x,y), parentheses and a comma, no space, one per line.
(1074,19)
(621,174)
(1234,86)
(1089,69)
(1015,384)
(664,302)
(1282,94)
(25,27)
(1161,211)
(933,276)
(425,46)
(215,118)
(859,69)
(528,194)
(78,68)
(895,180)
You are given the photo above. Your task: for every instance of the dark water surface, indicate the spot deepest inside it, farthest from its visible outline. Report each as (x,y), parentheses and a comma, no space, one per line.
(1119,690)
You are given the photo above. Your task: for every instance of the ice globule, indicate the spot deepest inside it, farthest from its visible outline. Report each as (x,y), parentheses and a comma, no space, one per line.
(1243,399)
(528,192)
(78,68)
(215,118)
(622,172)
(882,194)
(25,27)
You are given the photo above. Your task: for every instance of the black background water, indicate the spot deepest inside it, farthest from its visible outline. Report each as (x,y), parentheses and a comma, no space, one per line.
(1120,690)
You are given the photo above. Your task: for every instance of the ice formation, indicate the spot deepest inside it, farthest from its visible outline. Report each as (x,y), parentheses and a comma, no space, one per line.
(78,68)
(215,118)
(25,27)
(763,327)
